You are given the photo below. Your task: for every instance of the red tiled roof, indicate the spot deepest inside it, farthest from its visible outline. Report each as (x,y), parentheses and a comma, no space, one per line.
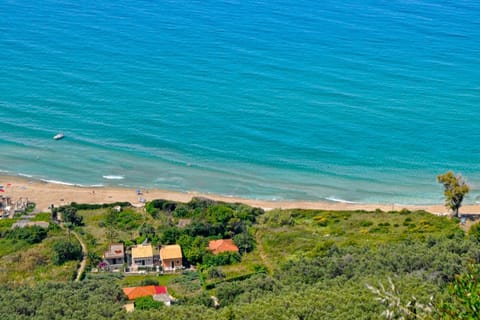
(223,245)
(137,292)
(160,290)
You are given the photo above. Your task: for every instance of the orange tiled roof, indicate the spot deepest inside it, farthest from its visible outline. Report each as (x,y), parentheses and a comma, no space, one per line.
(173,251)
(142,251)
(137,292)
(223,245)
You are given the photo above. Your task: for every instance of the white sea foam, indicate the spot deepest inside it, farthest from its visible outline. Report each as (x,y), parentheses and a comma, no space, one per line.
(25,175)
(112,177)
(334,199)
(58,182)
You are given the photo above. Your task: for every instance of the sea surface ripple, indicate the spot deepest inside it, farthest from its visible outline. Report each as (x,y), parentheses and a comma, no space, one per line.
(351,101)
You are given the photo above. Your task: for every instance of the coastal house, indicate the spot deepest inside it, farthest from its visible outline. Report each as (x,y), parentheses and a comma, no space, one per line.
(142,256)
(115,256)
(158,293)
(222,245)
(5,206)
(171,257)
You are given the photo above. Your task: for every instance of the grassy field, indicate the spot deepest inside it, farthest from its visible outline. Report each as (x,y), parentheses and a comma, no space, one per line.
(42,216)
(94,232)
(138,280)
(287,234)
(8,246)
(26,263)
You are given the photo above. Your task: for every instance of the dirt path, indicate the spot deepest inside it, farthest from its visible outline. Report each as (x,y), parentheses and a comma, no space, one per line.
(262,253)
(83,264)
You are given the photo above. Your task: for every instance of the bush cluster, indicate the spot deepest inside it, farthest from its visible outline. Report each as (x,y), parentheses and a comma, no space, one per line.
(31,235)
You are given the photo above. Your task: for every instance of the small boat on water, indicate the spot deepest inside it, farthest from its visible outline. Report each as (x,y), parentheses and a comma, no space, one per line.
(58,136)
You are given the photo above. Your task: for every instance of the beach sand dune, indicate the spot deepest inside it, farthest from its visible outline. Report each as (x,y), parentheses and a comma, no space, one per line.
(45,194)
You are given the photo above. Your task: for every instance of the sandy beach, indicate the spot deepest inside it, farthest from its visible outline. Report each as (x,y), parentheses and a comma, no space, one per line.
(45,193)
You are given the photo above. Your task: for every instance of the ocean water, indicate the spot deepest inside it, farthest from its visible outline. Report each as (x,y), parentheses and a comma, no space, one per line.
(362,101)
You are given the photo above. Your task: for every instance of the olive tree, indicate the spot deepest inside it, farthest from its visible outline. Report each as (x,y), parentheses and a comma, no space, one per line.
(455,188)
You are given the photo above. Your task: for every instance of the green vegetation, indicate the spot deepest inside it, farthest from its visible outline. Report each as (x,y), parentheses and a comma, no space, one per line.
(88,206)
(455,189)
(86,300)
(24,262)
(464,292)
(145,280)
(207,220)
(191,225)
(13,240)
(69,215)
(294,264)
(66,251)
(147,303)
(43,216)
(30,235)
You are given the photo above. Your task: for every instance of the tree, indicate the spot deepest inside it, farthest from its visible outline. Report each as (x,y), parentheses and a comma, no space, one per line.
(69,214)
(455,189)
(64,251)
(244,240)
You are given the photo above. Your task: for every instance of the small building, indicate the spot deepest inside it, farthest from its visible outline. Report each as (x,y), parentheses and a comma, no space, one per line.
(115,256)
(158,293)
(171,257)
(5,206)
(222,245)
(142,256)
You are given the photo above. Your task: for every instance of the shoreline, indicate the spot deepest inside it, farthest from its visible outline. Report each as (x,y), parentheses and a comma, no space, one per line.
(45,193)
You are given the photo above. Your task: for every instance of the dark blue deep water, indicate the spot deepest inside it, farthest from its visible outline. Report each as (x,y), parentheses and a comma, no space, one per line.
(344,100)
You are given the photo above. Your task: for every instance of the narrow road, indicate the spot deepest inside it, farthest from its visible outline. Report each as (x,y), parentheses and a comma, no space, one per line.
(83,264)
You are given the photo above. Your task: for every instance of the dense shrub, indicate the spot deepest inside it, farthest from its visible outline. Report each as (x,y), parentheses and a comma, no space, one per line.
(31,235)
(149,282)
(475,231)
(147,303)
(257,285)
(437,260)
(201,203)
(244,241)
(224,258)
(87,206)
(90,299)
(65,251)
(155,206)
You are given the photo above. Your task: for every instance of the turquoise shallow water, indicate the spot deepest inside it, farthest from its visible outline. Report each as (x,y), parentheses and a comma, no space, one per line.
(363,101)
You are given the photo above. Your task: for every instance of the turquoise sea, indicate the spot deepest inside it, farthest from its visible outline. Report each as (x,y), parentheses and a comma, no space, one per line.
(354,100)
